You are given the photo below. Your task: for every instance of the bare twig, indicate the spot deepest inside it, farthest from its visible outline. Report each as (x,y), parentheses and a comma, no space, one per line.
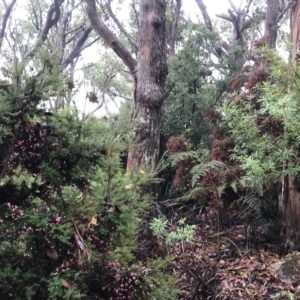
(90,43)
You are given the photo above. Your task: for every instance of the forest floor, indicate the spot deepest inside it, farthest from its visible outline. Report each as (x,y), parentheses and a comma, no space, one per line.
(229,259)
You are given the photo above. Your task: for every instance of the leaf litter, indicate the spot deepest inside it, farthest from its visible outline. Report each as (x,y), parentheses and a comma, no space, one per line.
(228,264)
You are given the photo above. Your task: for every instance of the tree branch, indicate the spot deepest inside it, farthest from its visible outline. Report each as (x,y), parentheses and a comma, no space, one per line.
(175,27)
(135,12)
(4,21)
(77,48)
(35,20)
(72,38)
(110,92)
(284,10)
(205,15)
(233,6)
(109,37)
(121,27)
(246,23)
(65,21)
(232,15)
(53,16)
(225,17)
(218,50)
(5,4)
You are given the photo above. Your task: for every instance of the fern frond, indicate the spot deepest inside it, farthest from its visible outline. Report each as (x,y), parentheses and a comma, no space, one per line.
(176,158)
(197,192)
(252,204)
(199,171)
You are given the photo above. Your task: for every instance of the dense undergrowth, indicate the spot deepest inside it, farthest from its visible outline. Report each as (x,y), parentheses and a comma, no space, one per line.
(70,214)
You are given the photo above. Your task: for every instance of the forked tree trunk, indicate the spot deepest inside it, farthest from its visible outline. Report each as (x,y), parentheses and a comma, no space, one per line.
(149,93)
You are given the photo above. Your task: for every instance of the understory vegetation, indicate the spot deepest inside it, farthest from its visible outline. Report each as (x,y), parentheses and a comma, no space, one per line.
(161,165)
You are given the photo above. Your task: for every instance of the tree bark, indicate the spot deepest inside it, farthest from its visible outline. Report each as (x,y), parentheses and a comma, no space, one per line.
(295,31)
(271,23)
(289,197)
(150,93)
(149,74)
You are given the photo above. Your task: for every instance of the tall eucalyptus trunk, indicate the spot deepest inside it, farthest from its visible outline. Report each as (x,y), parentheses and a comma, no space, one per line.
(149,93)
(149,72)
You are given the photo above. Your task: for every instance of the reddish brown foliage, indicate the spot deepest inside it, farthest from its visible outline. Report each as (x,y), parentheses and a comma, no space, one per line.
(176,144)
(212,115)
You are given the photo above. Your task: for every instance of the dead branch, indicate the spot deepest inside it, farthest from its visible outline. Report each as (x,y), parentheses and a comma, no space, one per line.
(77,31)
(65,21)
(5,4)
(35,19)
(246,23)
